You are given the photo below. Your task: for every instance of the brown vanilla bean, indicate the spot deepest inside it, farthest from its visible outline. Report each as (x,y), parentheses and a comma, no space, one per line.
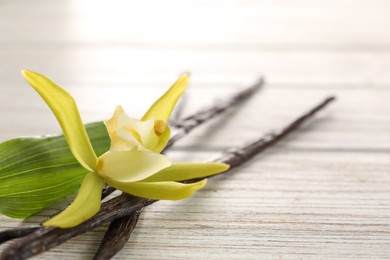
(239,155)
(123,205)
(182,127)
(16,233)
(117,235)
(187,124)
(120,229)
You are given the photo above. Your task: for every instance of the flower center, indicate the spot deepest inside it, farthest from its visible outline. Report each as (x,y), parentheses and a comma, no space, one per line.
(159,127)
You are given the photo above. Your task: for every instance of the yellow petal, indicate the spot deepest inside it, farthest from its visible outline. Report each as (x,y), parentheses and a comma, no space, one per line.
(86,204)
(167,190)
(132,165)
(187,171)
(162,108)
(65,109)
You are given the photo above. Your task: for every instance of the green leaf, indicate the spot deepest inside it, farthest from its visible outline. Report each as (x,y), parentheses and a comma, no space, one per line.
(35,172)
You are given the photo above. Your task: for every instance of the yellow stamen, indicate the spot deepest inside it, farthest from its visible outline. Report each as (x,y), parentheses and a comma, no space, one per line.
(159,127)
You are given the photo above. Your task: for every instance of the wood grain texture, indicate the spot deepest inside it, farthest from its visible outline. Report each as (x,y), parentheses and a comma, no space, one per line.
(323,193)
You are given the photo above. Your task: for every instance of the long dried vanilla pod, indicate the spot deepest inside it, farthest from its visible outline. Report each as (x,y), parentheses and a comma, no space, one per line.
(16,233)
(46,238)
(120,229)
(237,156)
(186,125)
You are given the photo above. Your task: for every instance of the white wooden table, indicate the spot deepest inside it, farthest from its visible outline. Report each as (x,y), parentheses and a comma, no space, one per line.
(324,192)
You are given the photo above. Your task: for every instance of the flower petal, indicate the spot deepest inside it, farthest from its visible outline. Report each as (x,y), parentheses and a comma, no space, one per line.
(86,204)
(167,190)
(187,171)
(65,109)
(120,128)
(132,165)
(126,132)
(162,108)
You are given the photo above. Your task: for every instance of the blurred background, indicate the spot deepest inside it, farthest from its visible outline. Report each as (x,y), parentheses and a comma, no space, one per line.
(104,49)
(128,52)
(111,45)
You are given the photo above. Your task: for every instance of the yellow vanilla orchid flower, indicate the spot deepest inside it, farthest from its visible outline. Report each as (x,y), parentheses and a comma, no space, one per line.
(133,164)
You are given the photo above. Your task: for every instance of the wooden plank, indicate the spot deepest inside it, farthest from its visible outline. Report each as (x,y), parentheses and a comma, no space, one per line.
(101,66)
(286,204)
(321,193)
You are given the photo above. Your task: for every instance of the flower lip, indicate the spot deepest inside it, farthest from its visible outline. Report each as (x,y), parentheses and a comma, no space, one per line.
(131,165)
